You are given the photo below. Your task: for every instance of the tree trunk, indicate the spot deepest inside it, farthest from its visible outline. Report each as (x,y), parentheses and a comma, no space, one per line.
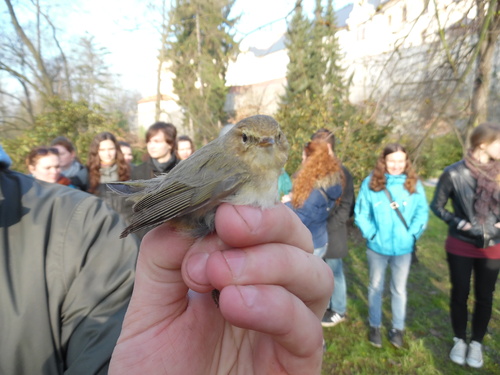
(482,81)
(44,77)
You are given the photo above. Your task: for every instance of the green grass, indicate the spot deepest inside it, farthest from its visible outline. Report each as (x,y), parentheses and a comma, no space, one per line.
(428,335)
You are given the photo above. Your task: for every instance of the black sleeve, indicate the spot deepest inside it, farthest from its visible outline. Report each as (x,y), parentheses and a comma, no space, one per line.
(443,192)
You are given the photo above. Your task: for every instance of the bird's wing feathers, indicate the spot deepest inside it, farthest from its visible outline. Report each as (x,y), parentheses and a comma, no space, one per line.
(178,199)
(195,183)
(134,189)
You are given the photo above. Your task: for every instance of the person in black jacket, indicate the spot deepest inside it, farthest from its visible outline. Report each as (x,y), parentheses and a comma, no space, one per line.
(161,146)
(337,246)
(473,243)
(65,277)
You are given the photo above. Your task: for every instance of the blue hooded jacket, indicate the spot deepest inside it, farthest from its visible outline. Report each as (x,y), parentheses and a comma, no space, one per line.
(380,225)
(315,211)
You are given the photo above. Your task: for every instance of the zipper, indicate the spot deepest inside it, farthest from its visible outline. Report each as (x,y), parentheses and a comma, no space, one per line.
(484,237)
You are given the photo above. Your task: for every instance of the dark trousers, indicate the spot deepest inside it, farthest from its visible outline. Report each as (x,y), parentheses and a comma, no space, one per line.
(485,277)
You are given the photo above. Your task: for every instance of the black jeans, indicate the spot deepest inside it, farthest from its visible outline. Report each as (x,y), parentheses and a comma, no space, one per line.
(485,277)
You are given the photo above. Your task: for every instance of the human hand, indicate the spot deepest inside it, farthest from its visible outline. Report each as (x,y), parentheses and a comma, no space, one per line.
(467,226)
(273,293)
(497,225)
(286,198)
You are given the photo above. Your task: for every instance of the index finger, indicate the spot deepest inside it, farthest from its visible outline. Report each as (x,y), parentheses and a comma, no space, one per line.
(240,226)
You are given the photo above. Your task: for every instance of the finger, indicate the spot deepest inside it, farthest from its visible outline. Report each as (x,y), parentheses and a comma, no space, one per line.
(274,311)
(158,280)
(243,226)
(194,268)
(240,226)
(302,274)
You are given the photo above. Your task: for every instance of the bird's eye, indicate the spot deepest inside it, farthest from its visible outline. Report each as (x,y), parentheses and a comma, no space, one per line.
(244,138)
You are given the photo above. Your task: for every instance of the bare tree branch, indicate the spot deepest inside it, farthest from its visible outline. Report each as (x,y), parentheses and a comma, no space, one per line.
(44,78)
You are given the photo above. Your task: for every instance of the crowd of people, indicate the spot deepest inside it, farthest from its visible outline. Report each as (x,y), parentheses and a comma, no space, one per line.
(391,212)
(82,275)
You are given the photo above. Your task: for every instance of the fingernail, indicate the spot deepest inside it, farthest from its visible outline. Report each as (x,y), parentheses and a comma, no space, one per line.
(248,294)
(236,261)
(251,215)
(196,268)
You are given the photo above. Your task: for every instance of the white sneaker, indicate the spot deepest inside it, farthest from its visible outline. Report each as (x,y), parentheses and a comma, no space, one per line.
(457,354)
(475,355)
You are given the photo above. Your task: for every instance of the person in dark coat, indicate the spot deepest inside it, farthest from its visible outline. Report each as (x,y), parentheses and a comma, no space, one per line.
(66,282)
(473,242)
(337,247)
(162,156)
(66,277)
(316,189)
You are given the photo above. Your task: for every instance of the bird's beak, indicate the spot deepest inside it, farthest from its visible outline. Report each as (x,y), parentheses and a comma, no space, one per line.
(266,142)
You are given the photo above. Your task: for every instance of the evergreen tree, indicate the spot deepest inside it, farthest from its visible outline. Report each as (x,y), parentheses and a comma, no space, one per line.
(316,95)
(297,43)
(304,106)
(199,49)
(333,78)
(293,113)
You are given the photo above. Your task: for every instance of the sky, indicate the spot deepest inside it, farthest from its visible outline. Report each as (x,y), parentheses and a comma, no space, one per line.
(126,28)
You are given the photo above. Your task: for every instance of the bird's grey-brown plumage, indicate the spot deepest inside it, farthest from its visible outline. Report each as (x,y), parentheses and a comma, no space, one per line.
(241,167)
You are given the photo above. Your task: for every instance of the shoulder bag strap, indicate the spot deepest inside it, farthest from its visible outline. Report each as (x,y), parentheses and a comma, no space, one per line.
(394,206)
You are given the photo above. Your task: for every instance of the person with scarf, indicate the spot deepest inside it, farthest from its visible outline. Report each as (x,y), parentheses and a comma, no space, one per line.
(44,164)
(70,165)
(473,242)
(107,164)
(162,152)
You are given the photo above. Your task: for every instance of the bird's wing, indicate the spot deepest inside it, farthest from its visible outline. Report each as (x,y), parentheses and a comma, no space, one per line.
(178,199)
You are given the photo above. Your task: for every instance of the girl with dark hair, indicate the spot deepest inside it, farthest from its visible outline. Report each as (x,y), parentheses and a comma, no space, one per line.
(315,190)
(392,212)
(473,243)
(106,164)
(44,164)
(185,147)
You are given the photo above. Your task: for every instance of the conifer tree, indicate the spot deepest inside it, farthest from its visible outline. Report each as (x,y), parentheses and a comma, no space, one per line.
(199,49)
(312,77)
(316,94)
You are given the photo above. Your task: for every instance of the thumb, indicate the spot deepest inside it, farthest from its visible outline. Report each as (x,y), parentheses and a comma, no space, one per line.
(159,290)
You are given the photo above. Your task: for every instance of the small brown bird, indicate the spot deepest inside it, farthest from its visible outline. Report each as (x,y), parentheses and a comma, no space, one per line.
(241,167)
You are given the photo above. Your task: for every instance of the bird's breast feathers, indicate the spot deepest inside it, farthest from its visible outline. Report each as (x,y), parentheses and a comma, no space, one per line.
(260,192)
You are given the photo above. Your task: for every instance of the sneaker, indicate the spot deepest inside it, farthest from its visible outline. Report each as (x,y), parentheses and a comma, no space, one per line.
(396,337)
(327,317)
(475,355)
(457,354)
(332,318)
(375,337)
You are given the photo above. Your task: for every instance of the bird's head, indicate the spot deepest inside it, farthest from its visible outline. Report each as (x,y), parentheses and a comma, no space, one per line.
(259,141)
